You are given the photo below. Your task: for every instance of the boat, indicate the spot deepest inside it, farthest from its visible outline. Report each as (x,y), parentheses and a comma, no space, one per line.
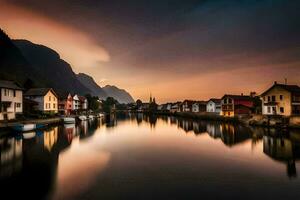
(91,116)
(82,117)
(69,120)
(101,115)
(27,127)
(29,135)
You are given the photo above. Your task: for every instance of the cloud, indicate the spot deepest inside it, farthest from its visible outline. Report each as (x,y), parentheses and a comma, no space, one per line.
(73,45)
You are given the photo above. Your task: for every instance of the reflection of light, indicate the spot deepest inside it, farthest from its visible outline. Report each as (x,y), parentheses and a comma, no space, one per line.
(50,138)
(78,168)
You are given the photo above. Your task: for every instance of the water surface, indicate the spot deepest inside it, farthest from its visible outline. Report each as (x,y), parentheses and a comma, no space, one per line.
(145,157)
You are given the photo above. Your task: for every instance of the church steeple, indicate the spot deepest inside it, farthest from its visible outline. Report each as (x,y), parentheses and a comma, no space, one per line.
(150,101)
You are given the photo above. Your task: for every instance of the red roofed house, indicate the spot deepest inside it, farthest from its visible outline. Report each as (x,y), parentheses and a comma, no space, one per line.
(232,105)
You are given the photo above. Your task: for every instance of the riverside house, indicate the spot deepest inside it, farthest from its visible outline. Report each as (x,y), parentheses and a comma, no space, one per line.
(213,106)
(281,99)
(83,103)
(11,100)
(45,97)
(232,105)
(199,106)
(187,106)
(65,104)
(75,103)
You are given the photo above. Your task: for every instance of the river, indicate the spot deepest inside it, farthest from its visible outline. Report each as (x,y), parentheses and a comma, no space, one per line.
(149,157)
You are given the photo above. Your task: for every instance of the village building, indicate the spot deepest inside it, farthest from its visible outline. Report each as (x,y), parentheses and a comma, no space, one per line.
(11,100)
(213,106)
(65,104)
(281,99)
(175,107)
(187,106)
(233,105)
(199,106)
(75,103)
(46,98)
(83,103)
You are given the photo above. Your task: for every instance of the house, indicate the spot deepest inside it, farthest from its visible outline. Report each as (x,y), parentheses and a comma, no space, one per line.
(75,103)
(11,100)
(175,107)
(46,98)
(232,105)
(83,103)
(65,104)
(199,106)
(281,99)
(187,106)
(213,106)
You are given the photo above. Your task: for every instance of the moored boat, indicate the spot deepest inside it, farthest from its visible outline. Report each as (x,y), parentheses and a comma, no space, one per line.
(29,135)
(101,115)
(69,120)
(27,127)
(82,117)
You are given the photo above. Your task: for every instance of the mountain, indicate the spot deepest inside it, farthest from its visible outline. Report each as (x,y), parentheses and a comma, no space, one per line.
(51,70)
(89,82)
(120,94)
(108,91)
(13,65)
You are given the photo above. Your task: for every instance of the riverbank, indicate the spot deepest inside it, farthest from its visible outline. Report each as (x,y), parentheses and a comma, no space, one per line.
(250,120)
(29,121)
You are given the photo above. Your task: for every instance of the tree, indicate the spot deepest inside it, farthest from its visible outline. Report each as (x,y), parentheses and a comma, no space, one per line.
(109,105)
(93,102)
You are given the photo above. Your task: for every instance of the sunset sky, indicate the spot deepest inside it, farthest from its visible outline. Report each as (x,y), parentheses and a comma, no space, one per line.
(175,49)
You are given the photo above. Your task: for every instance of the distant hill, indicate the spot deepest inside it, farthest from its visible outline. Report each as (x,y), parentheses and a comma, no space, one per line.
(34,65)
(13,65)
(89,82)
(120,94)
(52,71)
(108,91)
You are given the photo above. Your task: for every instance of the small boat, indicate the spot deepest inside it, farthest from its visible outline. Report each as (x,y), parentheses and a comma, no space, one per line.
(29,135)
(27,127)
(69,120)
(101,115)
(82,117)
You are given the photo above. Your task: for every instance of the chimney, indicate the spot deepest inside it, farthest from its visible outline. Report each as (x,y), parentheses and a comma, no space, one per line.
(242,94)
(275,82)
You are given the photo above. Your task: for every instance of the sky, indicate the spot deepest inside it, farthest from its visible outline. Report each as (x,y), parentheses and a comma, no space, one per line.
(174,49)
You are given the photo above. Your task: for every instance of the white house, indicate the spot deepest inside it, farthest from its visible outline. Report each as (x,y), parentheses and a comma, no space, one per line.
(83,103)
(46,98)
(213,106)
(76,102)
(195,107)
(11,100)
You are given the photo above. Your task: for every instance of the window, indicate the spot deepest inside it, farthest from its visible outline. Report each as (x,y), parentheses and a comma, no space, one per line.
(282,109)
(281,97)
(269,109)
(5,92)
(264,98)
(49,98)
(269,98)
(54,105)
(230,100)
(273,98)
(225,101)
(18,105)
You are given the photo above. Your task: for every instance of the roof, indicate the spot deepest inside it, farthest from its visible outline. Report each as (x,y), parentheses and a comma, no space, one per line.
(215,100)
(290,88)
(39,92)
(238,97)
(9,85)
(81,98)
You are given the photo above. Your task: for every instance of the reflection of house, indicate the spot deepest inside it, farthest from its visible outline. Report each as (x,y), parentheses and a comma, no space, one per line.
(234,134)
(45,97)
(50,138)
(11,100)
(236,105)
(214,130)
(199,106)
(65,104)
(283,150)
(213,106)
(281,99)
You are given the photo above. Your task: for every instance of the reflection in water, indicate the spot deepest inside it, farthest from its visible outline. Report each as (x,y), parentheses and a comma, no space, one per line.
(63,162)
